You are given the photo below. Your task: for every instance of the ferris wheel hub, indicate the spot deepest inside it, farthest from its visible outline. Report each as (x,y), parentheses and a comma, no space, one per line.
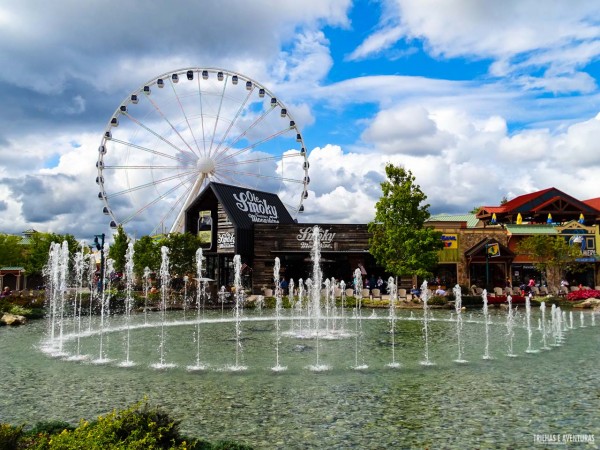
(205,165)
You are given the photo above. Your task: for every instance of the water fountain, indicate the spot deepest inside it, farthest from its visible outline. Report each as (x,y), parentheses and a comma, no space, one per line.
(200,351)
(459,323)
(510,327)
(425,294)
(278,309)
(486,321)
(128,301)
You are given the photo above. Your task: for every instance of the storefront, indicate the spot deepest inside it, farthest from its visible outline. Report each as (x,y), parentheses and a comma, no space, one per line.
(256,225)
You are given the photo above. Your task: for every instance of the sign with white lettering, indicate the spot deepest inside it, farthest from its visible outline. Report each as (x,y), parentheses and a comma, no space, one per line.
(305,237)
(225,239)
(258,209)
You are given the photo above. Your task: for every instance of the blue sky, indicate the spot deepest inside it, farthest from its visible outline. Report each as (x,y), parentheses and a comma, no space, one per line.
(479,99)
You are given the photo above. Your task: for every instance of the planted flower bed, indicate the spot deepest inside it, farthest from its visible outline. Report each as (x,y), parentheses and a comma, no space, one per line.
(583,294)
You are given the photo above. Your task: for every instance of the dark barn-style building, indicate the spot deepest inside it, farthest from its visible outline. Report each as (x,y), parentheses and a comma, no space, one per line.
(233,220)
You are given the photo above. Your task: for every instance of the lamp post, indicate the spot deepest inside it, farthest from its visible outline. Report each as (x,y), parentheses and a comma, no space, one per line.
(99,244)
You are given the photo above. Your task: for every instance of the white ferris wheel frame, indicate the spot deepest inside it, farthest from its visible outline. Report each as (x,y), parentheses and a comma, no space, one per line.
(208,162)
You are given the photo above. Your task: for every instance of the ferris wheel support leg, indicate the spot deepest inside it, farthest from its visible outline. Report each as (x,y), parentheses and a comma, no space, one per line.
(179,221)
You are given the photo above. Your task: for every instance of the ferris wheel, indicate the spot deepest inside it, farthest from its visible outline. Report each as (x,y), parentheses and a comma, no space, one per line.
(177,132)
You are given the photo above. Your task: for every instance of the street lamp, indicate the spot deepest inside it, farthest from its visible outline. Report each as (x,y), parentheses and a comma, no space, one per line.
(99,244)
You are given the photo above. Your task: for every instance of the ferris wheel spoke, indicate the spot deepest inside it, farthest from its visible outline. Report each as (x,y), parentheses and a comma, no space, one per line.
(214,133)
(241,108)
(155,201)
(146,167)
(185,116)
(176,204)
(162,138)
(258,120)
(258,160)
(153,183)
(256,144)
(201,116)
(154,152)
(259,175)
(166,119)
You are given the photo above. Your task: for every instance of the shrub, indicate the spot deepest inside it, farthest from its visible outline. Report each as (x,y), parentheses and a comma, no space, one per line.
(10,436)
(438,300)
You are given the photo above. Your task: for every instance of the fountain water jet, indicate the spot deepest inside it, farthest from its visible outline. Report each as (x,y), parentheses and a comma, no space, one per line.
(165,281)
(200,293)
(128,301)
(393,292)
(425,294)
(459,323)
(528,321)
(486,319)
(510,325)
(359,363)
(278,307)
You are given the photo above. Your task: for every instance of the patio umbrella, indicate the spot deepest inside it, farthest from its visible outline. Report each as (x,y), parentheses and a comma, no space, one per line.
(519,219)
(493,221)
(581,218)
(549,218)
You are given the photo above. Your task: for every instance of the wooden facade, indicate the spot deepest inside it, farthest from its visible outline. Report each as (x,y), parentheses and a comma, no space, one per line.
(344,248)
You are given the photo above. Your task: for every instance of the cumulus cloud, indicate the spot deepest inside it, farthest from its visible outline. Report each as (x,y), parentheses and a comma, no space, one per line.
(479,164)
(407,130)
(519,37)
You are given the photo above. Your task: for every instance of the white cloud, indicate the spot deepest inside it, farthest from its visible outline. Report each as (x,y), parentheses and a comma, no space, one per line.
(407,130)
(520,37)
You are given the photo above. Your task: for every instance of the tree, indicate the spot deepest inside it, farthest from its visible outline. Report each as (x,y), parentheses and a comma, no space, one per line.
(400,242)
(146,254)
(182,251)
(12,251)
(39,248)
(118,249)
(552,255)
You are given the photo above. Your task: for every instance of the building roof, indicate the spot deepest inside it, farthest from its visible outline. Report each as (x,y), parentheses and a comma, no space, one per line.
(246,206)
(593,202)
(528,229)
(470,219)
(537,206)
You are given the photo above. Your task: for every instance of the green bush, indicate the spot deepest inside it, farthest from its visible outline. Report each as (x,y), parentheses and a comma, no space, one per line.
(137,427)
(438,300)
(10,436)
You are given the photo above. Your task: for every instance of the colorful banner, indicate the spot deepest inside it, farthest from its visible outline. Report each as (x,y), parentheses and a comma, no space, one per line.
(450,241)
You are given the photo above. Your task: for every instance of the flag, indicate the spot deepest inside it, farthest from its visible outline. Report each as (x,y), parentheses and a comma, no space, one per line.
(519,219)
(493,250)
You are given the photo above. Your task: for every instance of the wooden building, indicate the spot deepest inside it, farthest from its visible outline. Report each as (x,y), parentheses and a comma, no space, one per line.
(232,220)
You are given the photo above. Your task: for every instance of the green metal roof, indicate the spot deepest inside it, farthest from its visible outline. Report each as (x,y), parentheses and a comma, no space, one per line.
(12,268)
(471,219)
(531,229)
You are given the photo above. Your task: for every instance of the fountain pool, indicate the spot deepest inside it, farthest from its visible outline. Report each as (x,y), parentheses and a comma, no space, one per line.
(498,402)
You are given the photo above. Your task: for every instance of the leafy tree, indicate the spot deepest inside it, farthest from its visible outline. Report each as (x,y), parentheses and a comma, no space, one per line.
(400,242)
(182,251)
(12,251)
(39,247)
(146,254)
(552,255)
(118,249)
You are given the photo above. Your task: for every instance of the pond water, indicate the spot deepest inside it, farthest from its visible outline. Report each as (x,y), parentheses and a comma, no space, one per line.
(504,402)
